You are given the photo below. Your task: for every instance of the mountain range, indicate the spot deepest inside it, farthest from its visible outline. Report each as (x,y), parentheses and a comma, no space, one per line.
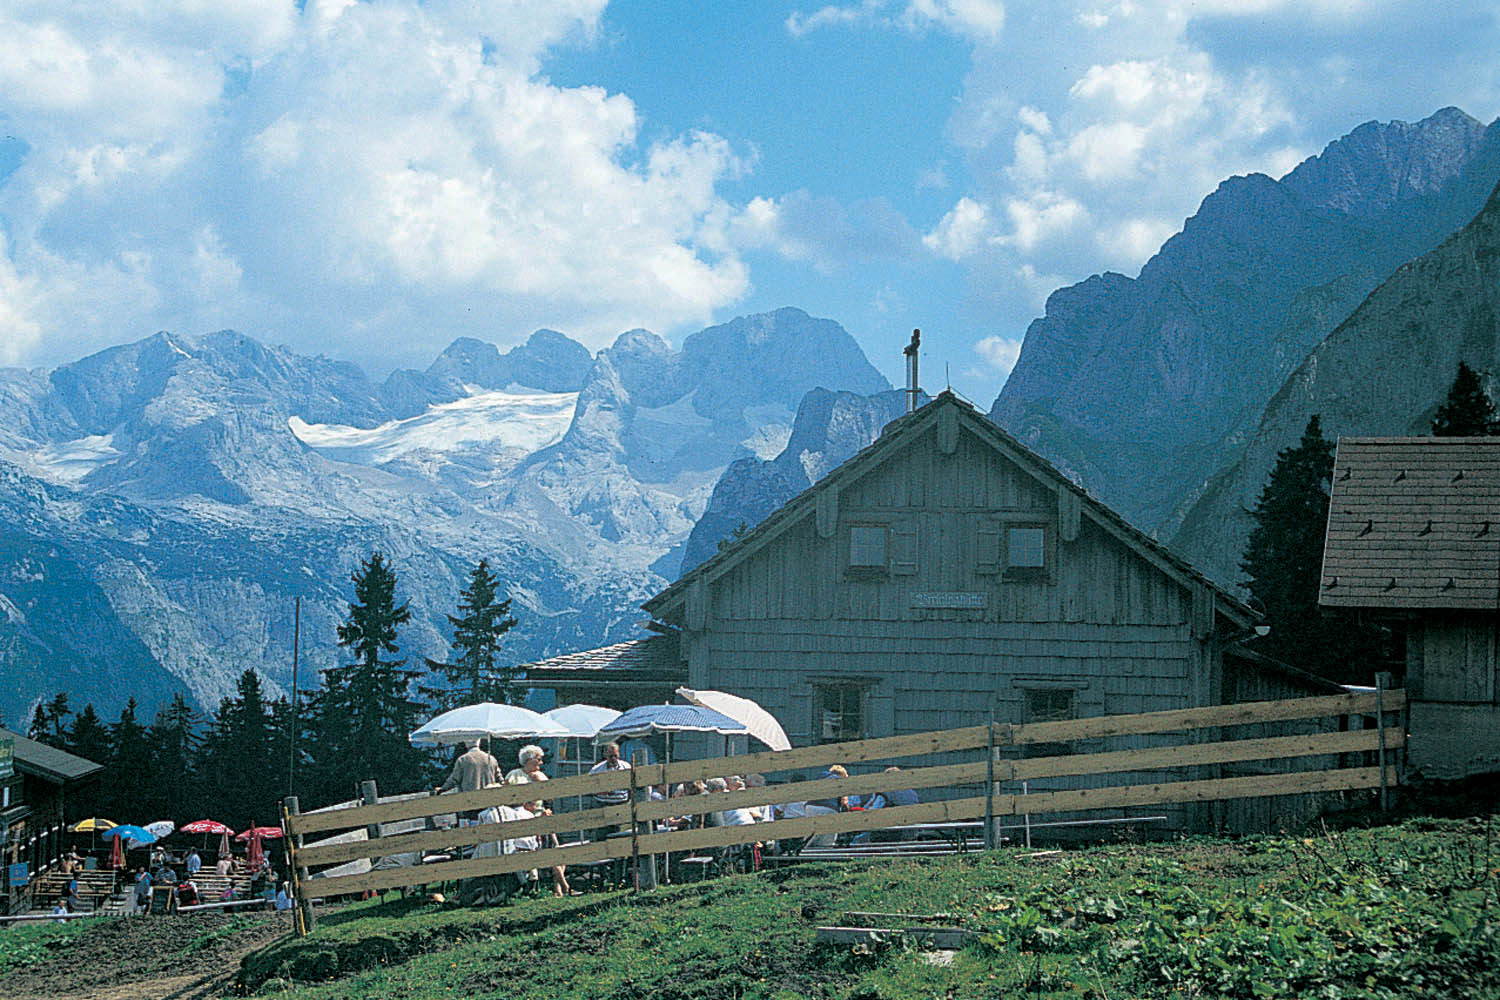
(163,503)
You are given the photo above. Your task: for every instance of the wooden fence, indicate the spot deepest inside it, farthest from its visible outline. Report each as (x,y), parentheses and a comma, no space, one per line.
(639,815)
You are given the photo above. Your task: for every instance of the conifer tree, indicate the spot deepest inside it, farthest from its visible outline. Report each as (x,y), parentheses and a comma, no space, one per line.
(478,627)
(88,738)
(48,721)
(1283,560)
(1467,412)
(238,760)
(128,790)
(173,774)
(363,713)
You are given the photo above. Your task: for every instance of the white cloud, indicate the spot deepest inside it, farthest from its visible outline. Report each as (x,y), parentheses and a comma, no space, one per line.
(981,20)
(999,353)
(1039,218)
(823,231)
(410,172)
(960,232)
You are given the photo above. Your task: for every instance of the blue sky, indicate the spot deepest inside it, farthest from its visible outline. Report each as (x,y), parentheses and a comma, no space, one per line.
(372,180)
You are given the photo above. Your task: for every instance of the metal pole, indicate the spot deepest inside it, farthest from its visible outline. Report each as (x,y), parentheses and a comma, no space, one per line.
(291,752)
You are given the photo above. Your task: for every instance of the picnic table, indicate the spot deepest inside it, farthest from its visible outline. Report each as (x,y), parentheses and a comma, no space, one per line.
(956,832)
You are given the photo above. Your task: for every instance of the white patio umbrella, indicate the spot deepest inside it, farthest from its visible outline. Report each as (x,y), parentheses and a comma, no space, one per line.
(582,721)
(472,722)
(161,828)
(756,720)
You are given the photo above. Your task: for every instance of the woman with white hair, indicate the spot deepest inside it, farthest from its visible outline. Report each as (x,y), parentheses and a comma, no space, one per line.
(530,759)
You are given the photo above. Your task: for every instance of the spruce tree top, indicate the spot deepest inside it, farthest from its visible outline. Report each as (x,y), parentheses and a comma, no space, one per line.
(1467,412)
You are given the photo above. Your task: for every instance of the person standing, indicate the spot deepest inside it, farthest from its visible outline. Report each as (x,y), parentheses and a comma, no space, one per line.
(143,890)
(194,863)
(614,796)
(474,770)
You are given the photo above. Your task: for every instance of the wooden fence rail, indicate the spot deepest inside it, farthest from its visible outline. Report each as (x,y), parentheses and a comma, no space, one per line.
(987,773)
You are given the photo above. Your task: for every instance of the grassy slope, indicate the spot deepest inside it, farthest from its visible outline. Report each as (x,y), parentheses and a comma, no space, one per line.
(1411,910)
(1403,911)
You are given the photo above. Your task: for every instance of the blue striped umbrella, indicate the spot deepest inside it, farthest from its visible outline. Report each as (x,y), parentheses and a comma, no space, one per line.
(645,720)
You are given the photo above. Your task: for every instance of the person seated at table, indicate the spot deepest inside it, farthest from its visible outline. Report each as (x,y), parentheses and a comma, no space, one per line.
(764,813)
(194,863)
(225,866)
(530,759)
(187,894)
(158,858)
(824,807)
(72,862)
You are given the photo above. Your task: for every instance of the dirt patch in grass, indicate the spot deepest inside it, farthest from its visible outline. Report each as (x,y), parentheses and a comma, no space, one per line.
(183,957)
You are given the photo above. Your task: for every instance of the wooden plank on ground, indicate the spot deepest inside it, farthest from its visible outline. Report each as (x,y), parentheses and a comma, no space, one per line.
(1191,754)
(1240,714)
(1253,786)
(921,936)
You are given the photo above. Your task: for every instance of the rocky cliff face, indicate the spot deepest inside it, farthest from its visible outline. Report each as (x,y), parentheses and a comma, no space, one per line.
(164,502)
(1144,388)
(829,429)
(1383,371)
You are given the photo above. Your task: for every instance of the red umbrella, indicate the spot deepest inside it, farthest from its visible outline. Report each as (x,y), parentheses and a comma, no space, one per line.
(206,826)
(117,852)
(264,832)
(224,844)
(256,856)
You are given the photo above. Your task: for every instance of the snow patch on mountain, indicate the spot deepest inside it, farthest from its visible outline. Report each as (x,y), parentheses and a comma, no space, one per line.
(523,419)
(69,462)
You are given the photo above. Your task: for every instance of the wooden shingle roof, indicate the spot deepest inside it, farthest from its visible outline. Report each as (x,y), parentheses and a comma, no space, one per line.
(1414,523)
(656,656)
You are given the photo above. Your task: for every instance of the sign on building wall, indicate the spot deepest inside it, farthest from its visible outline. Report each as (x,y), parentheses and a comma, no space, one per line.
(948,599)
(17,875)
(7,757)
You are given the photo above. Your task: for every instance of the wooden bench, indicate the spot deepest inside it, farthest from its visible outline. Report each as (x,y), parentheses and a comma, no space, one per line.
(211,887)
(93,887)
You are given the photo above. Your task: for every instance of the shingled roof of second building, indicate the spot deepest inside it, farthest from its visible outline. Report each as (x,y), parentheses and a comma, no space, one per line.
(1414,523)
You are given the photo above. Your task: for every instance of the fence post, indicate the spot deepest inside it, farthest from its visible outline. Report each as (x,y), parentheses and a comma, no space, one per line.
(649,879)
(1382,681)
(989,788)
(370,795)
(304,910)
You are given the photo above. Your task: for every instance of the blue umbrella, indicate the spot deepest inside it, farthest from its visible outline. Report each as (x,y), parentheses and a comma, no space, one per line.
(138,836)
(647,719)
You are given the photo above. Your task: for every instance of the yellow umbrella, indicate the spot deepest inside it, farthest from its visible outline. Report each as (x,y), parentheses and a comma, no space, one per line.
(93,824)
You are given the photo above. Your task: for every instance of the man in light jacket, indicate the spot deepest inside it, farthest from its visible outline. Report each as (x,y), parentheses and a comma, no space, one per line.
(474,770)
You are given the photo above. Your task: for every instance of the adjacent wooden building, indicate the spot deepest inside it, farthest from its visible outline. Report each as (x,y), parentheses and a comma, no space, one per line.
(1414,538)
(35,780)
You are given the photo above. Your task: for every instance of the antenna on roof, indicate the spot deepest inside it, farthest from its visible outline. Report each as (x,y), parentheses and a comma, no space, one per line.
(912,389)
